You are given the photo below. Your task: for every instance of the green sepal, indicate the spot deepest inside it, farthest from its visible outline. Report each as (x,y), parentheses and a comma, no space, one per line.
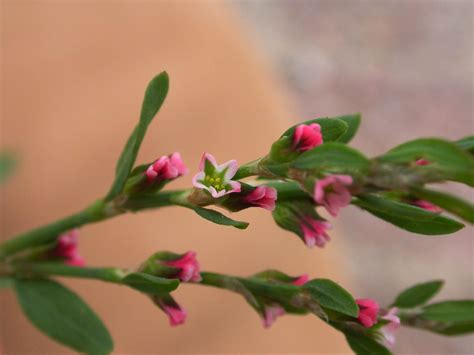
(149,283)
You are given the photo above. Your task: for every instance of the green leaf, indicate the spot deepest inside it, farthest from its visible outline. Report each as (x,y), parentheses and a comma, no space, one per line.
(353,123)
(62,315)
(332,129)
(418,294)
(447,160)
(360,340)
(410,218)
(334,157)
(150,284)
(453,204)
(450,311)
(7,165)
(332,296)
(466,143)
(155,95)
(219,218)
(6,282)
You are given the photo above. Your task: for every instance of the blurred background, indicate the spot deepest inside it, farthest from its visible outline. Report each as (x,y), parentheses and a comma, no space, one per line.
(73,75)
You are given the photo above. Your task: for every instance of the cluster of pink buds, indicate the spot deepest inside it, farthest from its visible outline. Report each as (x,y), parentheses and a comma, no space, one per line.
(273,311)
(306,137)
(67,248)
(368,317)
(166,168)
(188,266)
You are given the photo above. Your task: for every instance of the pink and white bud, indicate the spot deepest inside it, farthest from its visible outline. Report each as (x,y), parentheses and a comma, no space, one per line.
(189,267)
(389,330)
(262,196)
(301,280)
(368,310)
(332,192)
(314,232)
(166,168)
(216,179)
(271,314)
(67,248)
(428,206)
(307,137)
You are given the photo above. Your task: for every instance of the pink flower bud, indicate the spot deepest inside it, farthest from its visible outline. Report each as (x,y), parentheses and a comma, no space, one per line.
(176,314)
(388,331)
(67,248)
(301,280)
(422,162)
(271,314)
(262,196)
(332,192)
(189,267)
(428,206)
(368,310)
(314,231)
(166,168)
(307,137)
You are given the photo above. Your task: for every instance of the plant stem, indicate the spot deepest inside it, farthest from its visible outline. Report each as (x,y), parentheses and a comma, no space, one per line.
(249,169)
(48,233)
(108,274)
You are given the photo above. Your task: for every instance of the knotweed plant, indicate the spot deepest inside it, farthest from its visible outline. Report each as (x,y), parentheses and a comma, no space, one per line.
(309,168)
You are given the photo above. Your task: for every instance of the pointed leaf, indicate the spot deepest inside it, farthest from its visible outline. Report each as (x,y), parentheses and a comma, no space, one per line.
(155,95)
(450,311)
(361,341)
(62,315)
(410,218)
(418,294)
(332,296)
(353,123)
(219,218)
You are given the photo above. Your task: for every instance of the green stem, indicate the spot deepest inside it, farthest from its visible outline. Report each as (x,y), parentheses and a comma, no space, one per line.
(249,169)
(109,274)
(48,233)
